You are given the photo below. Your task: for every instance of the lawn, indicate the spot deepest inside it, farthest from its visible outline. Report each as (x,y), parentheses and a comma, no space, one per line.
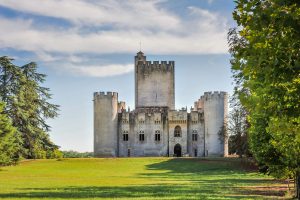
(136,178)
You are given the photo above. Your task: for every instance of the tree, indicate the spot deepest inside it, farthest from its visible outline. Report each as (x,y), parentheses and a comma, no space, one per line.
(238,128)
(28,106)
(9,140)
(265,49)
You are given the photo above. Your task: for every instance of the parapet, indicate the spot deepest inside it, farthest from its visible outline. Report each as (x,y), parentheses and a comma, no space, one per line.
(214,95)
(156,66)
(105,95)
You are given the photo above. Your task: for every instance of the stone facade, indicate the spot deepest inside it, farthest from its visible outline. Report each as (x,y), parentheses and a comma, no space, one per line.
(155,128)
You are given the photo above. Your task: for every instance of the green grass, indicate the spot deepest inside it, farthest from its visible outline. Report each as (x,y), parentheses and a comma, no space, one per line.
(136,178)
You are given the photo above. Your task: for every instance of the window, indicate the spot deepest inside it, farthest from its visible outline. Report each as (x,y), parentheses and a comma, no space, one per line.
(195,137)
(195,152)
(177,131)
(157,121)
(157,137)
(125,137)
(128,152)
(142,137)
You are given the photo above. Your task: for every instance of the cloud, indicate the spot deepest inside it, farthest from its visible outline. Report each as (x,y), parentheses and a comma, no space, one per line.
(118,13)
(202,39)
(109,27)
(99,71)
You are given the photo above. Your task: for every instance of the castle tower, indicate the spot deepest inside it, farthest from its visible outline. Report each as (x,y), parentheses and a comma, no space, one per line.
(154,83)
(215,117)
(105,124)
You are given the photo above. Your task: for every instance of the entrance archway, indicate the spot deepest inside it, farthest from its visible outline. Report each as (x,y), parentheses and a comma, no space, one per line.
(177,150)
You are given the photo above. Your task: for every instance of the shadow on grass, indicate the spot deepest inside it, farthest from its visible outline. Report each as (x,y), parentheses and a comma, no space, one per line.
(130,192)
(185,179)
(225,174)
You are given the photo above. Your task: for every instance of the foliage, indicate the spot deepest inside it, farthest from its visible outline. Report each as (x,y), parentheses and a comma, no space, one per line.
(75,154)
(265,51)
(238,128)
(9,146)
(27,106)
(137,178)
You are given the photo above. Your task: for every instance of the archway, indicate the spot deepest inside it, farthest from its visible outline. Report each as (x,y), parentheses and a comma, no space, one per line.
(177,150)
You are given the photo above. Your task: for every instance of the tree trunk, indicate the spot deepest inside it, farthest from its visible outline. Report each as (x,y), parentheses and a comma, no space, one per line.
(297,182)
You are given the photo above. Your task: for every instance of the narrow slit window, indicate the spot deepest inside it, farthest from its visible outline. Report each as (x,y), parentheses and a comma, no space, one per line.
(195,137)
(125,137)
(157,137)
(142,137)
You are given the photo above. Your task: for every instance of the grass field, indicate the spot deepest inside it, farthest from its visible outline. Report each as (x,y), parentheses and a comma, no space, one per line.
(136,178)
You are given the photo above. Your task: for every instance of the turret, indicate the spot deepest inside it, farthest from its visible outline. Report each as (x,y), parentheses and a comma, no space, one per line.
(105,124)
(139,58)
(215,107)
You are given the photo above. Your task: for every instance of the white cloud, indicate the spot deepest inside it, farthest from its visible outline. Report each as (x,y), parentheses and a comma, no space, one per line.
(127,23)
(99,71)
(119,13)
(201,39)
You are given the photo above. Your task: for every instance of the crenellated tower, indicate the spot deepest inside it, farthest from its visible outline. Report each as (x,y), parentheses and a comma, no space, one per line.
(214,105)
(105,124)
(154,83)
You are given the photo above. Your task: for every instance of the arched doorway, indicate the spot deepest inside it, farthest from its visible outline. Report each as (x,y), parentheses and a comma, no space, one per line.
(177,150)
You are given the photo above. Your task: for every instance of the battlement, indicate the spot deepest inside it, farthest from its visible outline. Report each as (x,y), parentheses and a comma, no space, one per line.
(105,95)
(215,94)
(156,65)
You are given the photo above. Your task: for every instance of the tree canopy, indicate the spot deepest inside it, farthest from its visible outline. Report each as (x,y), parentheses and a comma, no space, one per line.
(9,140)
(265,49)
(27,105)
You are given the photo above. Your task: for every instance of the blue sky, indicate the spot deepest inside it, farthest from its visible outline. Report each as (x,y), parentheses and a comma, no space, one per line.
(86,46)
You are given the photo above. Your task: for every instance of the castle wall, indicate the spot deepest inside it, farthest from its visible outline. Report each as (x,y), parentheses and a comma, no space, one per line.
(215,111)
(147,123)
(105,124)
(178,118)
(155,84)
(196,126)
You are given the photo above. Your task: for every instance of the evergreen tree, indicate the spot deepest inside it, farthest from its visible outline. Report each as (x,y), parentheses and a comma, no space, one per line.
(265,51)
(9,140)
(28,107)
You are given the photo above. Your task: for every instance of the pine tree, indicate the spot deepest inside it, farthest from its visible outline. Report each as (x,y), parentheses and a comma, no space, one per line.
(28,107)
(9,140)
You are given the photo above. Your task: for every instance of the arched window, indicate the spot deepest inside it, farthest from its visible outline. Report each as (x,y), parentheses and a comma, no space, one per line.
(177,131)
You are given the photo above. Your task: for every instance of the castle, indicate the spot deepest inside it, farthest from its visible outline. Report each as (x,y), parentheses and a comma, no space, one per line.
(155,128)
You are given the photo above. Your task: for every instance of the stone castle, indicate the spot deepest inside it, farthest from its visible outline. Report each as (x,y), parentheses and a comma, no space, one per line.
(155,128)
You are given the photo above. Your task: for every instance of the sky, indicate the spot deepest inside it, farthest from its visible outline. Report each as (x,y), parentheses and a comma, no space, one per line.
(86,46)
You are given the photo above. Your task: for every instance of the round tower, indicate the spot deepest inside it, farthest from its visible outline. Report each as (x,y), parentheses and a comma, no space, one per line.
(105,124)
(215,118)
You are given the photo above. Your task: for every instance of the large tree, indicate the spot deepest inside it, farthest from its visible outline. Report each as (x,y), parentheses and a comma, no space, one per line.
(9,140)
(27,104)
(238,128)
(265,49)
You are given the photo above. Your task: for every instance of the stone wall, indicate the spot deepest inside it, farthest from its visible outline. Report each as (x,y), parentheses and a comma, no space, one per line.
(196,126)
(154,83)
(147,123)
(105,124)
(178,118)
(215,111)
